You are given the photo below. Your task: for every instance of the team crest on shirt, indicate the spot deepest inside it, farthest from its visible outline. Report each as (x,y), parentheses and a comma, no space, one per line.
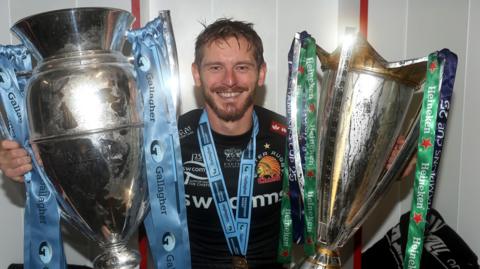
(269,166)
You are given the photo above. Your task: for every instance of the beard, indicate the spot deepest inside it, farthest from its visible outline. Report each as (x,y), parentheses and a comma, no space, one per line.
(230,111)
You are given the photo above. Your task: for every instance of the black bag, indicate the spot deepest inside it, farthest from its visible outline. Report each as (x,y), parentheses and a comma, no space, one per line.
(443,247)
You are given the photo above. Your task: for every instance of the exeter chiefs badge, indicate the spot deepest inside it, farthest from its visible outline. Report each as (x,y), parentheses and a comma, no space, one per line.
(268,169)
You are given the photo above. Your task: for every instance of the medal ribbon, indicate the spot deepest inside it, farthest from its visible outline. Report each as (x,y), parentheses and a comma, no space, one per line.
(302,143)
(236,230)
(308,61)
(436,102)
(285,239)
(43,246)
(449,70)
(295,172)
(165,223)
(291,213)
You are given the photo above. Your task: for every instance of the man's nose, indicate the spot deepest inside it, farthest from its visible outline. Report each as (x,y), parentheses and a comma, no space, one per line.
(230,78)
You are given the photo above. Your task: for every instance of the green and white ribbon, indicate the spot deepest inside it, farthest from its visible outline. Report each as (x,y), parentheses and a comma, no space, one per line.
(308,61)
(302,150)
(423,171)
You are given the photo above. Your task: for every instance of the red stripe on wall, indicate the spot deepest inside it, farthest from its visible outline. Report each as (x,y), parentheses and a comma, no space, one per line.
(136,13)
(364,17)
(143,247)
(358,244)
(142,237)
(357,249)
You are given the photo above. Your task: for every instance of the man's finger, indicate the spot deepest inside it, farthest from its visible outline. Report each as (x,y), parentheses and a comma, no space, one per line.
(17,153)
(9,144)
(410,168)
(23,160)
(18,171)
(19,179)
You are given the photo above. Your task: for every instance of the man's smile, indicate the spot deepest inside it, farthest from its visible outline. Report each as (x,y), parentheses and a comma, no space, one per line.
(229,94)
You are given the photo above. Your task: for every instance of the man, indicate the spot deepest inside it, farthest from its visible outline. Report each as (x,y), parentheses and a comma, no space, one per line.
(228,68)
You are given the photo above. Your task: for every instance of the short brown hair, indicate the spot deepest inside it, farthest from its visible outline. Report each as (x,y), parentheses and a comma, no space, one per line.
(224,28)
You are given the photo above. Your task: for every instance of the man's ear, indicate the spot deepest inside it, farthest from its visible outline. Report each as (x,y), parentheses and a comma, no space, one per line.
(262,73)
(196,75)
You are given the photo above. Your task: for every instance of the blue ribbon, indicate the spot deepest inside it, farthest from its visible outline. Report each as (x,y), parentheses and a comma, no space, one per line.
(43,246)
(236,230)
(165,223)
(449,62)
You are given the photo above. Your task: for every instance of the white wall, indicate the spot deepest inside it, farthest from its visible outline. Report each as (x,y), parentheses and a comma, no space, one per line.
(408,29)
(468,200)
(276,21)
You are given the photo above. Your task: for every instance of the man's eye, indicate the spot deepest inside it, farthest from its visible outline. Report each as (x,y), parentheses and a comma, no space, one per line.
(243,68)
(215,68)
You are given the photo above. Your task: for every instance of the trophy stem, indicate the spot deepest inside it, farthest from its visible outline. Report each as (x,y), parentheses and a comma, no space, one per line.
(323,259)
(117,256)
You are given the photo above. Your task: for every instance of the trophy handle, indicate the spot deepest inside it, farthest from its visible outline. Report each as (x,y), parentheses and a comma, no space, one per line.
(322,55)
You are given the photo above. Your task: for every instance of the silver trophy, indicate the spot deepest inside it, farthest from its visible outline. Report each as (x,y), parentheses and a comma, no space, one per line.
(85,122)
(365,104)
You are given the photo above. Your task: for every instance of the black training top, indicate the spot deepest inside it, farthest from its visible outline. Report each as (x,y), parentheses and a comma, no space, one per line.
(207,241)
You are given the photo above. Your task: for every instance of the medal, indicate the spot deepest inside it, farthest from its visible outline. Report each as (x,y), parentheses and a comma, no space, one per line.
(239,262)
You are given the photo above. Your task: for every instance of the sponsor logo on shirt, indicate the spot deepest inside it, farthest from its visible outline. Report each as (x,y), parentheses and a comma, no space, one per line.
(185,131)
(278,128)
(195,172)
(260,200)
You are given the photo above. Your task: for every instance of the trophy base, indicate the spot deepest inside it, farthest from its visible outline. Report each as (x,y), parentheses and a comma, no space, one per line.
(323,259)
(117,257)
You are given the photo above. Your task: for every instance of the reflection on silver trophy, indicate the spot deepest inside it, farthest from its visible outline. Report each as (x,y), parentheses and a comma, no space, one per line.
(85,122)
(365,104)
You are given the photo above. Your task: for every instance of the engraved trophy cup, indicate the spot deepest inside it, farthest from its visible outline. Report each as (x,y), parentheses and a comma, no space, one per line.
(365,104)
(85,123)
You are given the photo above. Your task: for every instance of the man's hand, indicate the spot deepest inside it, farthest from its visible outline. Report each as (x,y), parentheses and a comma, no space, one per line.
(14,160)
(396,149)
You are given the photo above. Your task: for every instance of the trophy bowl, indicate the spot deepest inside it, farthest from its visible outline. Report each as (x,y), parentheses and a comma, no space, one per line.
(365,105)
(85,123)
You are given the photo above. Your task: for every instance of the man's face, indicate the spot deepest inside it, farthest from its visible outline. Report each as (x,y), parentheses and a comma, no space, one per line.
(228,76)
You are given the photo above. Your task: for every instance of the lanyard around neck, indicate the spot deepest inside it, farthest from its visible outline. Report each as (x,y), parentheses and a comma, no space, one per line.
(236,230)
